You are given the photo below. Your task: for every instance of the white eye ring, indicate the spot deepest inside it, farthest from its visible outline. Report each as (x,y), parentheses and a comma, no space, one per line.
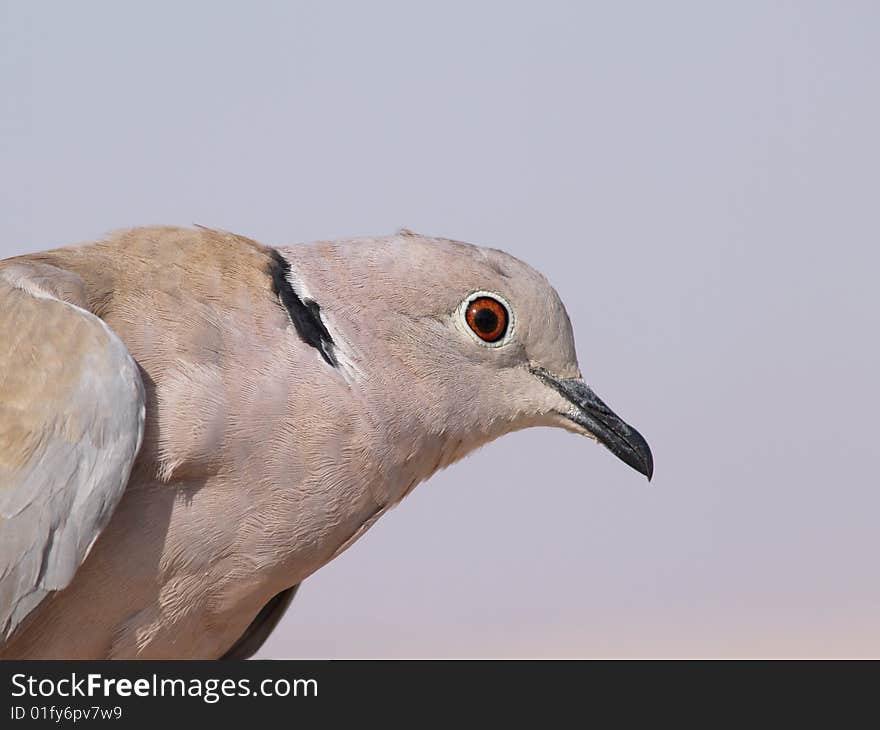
(461,319)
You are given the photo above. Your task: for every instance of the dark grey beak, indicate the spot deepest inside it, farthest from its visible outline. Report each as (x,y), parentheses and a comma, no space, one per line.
(589,411)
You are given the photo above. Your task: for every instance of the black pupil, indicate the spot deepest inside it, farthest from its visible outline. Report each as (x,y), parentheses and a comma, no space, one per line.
(486,320)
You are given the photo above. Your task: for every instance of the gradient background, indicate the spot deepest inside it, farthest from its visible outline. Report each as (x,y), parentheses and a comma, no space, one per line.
(698,180)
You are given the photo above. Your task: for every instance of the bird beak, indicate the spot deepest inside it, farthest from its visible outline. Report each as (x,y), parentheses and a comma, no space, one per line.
(592,415)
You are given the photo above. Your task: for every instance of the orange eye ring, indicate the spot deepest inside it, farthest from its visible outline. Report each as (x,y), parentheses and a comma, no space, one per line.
(488,318)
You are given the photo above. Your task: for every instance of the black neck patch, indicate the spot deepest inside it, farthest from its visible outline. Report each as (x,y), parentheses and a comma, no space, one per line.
(304,313)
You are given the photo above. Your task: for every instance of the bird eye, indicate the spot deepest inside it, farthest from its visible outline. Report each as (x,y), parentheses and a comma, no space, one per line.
(488,318)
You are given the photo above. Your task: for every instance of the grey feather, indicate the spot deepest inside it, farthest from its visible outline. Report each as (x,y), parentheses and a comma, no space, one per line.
(71,424)
(264,623)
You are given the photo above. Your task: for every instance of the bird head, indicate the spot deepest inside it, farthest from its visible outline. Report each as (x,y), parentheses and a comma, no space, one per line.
(455,341)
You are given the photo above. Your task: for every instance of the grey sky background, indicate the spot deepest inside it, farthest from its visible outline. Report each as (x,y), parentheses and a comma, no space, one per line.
(698,180)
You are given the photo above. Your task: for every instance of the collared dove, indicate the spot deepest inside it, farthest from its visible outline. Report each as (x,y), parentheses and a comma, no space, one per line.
(191,423)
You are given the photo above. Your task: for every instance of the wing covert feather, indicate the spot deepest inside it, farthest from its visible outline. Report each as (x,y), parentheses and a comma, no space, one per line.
(71,424)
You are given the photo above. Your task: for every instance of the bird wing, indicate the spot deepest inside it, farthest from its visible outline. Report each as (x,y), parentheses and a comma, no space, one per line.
(252,640)
(71,424)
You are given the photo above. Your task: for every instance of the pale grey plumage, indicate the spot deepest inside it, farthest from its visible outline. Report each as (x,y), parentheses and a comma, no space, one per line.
(60,481)
(292,396)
